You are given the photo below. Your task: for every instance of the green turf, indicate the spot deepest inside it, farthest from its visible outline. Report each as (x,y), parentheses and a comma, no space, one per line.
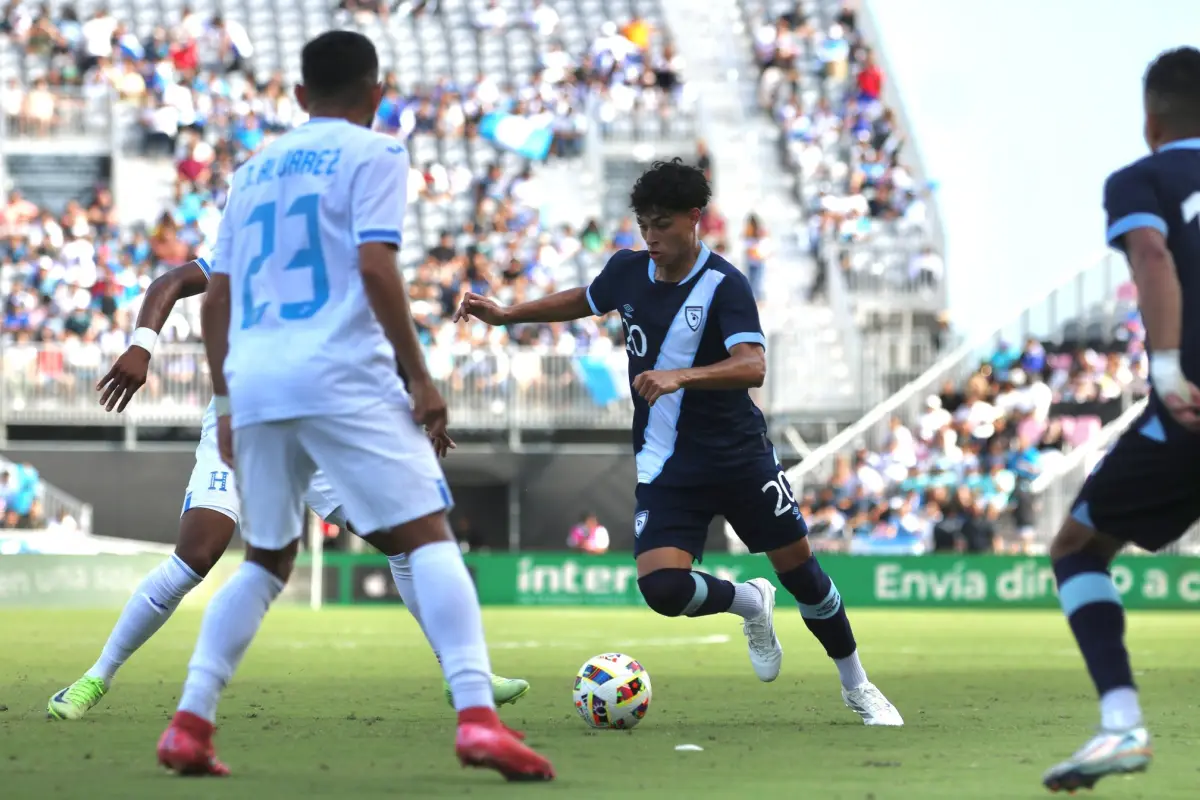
(348,703)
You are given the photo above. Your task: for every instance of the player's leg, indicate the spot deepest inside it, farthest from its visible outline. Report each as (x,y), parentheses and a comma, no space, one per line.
(273,472)
(382,448)
(321,499)
(1142,492)
(670,527)
(763,512)
(210,512)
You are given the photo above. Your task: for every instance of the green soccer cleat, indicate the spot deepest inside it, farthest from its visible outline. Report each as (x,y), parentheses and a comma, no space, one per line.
(505,691)
(77,699)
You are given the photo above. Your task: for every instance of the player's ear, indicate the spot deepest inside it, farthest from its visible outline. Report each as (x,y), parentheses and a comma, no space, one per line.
(301,95)
(694,216)
(376,98)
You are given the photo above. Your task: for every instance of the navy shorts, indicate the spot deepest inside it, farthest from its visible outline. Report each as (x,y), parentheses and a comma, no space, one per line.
(1146,489)
(758,503)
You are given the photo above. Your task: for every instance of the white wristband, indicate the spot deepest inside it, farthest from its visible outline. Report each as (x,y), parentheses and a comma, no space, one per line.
(221,405)
(144,338)
(1166,374)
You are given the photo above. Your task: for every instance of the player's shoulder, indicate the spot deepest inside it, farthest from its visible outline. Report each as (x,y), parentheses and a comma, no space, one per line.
(1158,169)
(626,261)
(371,145)
(1140,171)
(732,278)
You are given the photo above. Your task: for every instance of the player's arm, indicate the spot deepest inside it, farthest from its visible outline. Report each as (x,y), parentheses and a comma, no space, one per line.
(377,204)
(128,373)
(597,299)
(215,313)
(735,314)
(214,322)
(558,307)
(1137,227)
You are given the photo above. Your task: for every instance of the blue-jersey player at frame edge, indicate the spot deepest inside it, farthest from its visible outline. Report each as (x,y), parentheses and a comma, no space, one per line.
(695,349)
(1144,490)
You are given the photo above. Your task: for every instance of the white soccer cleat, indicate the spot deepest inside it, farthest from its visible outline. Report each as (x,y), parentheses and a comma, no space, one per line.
(1106,753)
(870,704)
(766,653)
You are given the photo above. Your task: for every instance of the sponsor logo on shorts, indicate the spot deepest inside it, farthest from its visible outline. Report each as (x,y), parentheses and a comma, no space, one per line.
(639,522)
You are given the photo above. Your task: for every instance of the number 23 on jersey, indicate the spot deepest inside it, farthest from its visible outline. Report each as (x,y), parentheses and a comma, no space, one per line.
(307,257)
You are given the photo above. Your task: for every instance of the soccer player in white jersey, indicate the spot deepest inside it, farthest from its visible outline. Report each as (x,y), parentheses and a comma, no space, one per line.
(210,515)
(306,320)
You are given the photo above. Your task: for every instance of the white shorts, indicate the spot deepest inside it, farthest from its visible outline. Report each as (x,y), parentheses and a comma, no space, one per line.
(212,486)
(377,462)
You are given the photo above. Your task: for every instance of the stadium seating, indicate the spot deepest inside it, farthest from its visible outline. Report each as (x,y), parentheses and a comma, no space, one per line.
(957,476)
(477,212)
(868,213)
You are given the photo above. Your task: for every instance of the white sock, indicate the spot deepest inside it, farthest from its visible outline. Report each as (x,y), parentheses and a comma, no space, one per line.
(747,601)
(851,671)
(402,575)
(152,604)
(1120,710)
(452,622)
(231,620)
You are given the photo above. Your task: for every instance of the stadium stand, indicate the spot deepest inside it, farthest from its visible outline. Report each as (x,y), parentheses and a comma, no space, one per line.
(959,460)
(868,214)
(208,85)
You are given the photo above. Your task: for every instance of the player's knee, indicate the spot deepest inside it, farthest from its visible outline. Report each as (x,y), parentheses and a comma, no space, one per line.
(199,555)
(1078,536)
(668,591)
(790,557)
(278,562)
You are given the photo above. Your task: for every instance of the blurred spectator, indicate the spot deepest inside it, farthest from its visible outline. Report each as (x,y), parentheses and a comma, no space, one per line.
(589,536)
(959,479)
(868,213)
(758,250)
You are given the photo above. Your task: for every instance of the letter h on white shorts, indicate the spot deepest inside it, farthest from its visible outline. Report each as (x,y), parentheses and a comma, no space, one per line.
(378,463)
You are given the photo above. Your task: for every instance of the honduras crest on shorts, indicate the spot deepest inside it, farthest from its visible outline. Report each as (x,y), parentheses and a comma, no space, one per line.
(693,316)
(639,523)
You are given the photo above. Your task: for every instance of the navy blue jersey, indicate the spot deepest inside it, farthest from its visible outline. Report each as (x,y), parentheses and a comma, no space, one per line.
(692,437)
(1162,191)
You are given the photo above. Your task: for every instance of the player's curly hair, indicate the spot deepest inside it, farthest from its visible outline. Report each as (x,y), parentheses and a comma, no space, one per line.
(1172,86)
(671,186)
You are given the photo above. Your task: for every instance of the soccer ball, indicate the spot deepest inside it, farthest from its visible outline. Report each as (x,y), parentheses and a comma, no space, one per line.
(612,691)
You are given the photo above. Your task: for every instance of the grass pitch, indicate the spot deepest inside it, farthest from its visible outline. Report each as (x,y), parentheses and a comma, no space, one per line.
(347,703)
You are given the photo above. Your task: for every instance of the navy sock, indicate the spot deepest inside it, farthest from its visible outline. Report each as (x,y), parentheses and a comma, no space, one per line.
(684,593)
(1093,607)
(713,596)
(821,607)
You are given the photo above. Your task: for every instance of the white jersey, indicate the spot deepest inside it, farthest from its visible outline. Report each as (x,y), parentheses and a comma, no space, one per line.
(303,340)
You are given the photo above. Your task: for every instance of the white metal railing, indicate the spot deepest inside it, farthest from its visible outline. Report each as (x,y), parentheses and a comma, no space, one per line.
(486,389)
(54,112)
(1075,297)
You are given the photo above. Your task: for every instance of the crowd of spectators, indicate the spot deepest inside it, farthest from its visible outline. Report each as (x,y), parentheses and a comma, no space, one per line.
(958,477)
(72,280)
(824,87)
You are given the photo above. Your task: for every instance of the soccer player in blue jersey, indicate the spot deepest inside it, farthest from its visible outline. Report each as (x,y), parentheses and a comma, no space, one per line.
(1146,490)
(695,348)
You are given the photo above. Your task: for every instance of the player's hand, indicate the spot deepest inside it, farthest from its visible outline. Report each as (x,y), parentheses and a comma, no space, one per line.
(225,439)
(128,374)
(429,409)
(481,308)
(656,383)
(1185,410)
(442,444)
